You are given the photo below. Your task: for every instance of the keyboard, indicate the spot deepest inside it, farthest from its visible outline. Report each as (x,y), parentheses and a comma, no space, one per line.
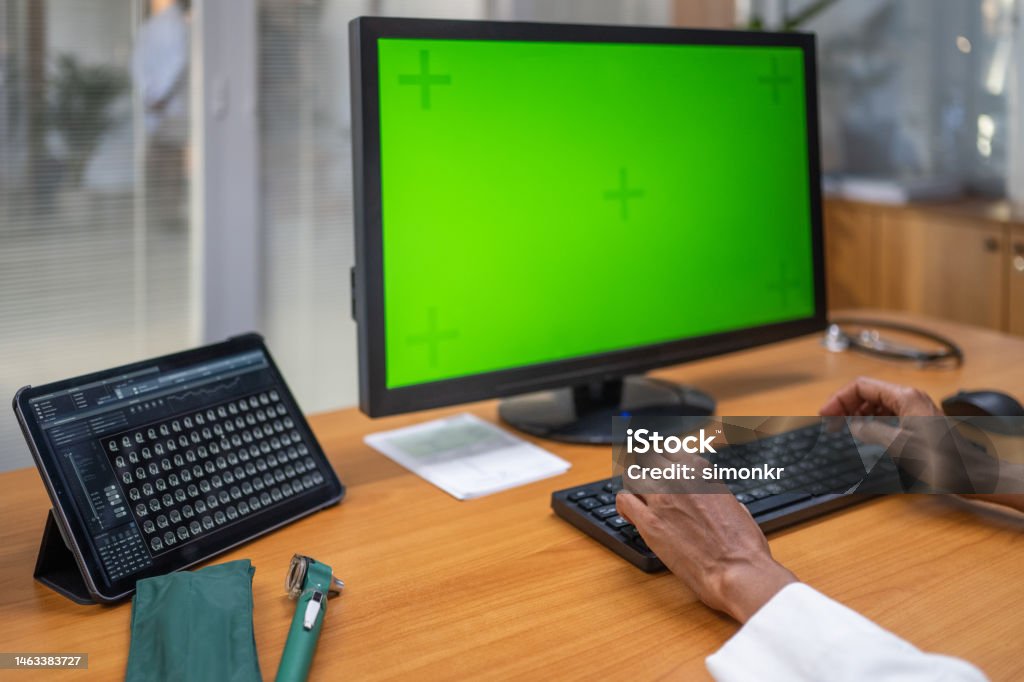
(828,466)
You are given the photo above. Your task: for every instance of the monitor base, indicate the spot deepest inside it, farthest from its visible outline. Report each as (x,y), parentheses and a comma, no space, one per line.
(583,414)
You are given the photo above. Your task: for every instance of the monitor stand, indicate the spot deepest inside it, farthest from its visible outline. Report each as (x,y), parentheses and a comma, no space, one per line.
(583,414)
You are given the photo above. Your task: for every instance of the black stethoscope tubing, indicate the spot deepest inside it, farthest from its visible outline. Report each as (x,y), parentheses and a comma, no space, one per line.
(951,351)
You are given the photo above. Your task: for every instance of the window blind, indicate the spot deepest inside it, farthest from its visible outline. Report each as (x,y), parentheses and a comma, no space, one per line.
(94,232)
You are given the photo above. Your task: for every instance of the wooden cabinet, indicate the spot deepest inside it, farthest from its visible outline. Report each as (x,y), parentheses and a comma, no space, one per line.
(1015,290)
(962,262)
(851,263)
(943,266)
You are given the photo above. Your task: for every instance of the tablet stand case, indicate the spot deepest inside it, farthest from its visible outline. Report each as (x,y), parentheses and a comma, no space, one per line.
(56,567)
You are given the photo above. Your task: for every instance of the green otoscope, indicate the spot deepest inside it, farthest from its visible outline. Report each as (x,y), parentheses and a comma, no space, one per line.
(309,583)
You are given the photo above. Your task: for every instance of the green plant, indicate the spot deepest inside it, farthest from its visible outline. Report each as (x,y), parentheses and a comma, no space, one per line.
(80,107)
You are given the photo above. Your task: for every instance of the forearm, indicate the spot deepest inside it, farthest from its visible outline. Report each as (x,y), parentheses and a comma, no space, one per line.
(1009,488)
(748,586)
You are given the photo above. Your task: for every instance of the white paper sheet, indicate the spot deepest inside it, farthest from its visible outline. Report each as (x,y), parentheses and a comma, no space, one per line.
(466,456)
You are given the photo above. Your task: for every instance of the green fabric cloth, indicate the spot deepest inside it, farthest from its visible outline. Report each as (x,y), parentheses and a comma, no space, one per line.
(194,625)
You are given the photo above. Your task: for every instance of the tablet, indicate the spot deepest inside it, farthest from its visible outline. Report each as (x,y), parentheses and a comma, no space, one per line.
(155,466)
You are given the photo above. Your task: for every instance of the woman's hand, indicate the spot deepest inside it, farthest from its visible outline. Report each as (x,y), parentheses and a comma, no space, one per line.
(712,543)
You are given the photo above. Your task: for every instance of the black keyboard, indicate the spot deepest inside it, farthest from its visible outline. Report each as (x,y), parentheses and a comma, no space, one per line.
(828,467)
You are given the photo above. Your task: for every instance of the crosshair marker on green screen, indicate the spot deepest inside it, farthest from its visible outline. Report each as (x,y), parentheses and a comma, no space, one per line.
(544,201)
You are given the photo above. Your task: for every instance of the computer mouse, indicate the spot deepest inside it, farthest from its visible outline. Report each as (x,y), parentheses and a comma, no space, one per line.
(982,404)
(1007,415)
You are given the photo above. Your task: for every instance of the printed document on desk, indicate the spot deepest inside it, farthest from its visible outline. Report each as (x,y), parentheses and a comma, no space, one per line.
(466,456)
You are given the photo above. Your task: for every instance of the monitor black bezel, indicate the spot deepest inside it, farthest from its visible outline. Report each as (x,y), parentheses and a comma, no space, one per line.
(69,517)
(375,398)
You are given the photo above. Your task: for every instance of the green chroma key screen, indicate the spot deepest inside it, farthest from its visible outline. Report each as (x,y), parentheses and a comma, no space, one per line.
(550,200)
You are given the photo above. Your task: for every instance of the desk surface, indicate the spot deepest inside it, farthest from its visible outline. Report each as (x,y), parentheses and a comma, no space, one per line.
(500,587)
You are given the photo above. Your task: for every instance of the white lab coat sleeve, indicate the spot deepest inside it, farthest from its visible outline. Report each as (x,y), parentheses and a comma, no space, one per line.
(801,634)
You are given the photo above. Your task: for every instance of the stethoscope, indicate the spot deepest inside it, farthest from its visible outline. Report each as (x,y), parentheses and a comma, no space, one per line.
(870,342)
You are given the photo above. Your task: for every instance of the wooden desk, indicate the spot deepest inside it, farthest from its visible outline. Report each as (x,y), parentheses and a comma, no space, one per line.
(500,587)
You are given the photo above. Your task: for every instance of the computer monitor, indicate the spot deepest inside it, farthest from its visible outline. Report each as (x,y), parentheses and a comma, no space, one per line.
(560,208)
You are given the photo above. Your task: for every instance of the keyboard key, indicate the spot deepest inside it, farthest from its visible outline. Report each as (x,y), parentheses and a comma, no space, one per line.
(776,502)
(758,493)
(617,522)
(605,511)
